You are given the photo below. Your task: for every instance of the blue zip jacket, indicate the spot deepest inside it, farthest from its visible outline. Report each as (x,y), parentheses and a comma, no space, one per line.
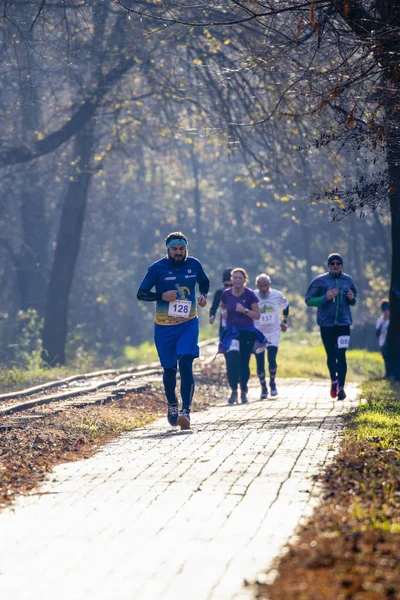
(336,311)
(232,333)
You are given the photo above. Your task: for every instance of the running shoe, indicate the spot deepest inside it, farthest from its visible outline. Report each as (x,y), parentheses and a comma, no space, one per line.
(334,389)
(172,415)
(233,398)
(274,391)
(243,398)
(264,393)
(184,419)
(341,394)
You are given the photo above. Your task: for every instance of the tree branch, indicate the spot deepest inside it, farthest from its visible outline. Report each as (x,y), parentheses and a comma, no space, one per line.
(52,141)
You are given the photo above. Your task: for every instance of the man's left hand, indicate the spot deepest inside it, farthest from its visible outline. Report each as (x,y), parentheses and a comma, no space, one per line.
(283,326)
(202,300)
(350,295)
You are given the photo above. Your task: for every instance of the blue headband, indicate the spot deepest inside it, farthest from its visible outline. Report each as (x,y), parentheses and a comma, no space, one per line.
(176,242)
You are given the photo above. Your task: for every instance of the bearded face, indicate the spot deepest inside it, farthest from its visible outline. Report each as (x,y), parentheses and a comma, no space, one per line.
(177,254)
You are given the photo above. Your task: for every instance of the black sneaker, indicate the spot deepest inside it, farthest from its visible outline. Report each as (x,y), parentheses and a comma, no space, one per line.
(341,394)
(172,415)
(334,389)
(233,398)
(274,391)
(243,398)
(184,419)
(264,393)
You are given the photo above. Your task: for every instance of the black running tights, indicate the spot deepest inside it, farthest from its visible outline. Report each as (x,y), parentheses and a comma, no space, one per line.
(185,362)
(237,361)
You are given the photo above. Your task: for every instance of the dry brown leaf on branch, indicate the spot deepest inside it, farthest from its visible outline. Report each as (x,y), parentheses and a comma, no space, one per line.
(298,32)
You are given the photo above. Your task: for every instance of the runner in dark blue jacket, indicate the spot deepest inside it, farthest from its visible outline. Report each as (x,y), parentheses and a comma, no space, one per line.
(334,293)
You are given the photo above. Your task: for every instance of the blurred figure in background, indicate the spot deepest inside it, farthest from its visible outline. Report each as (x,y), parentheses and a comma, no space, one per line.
(382,326)
(227,283)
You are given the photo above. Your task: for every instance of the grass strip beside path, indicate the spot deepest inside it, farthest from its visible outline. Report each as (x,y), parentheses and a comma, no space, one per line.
(300,355)
(350,547)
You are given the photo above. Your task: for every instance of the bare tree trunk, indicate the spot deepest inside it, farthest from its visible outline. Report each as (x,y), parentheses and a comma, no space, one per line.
(68,243)
(196,198)
(393,160)
(356,250)
(33,258)
(305,232)
(382,235)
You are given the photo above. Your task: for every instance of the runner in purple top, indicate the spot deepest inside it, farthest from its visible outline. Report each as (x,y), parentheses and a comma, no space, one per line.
(230,300)
(239,306)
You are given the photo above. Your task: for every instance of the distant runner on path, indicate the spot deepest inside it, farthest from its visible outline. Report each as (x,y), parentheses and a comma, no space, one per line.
(239,306)
(333,293)
(176,325)
(271,301)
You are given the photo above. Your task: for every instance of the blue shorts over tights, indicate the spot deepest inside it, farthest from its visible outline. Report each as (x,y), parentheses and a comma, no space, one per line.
(173,340)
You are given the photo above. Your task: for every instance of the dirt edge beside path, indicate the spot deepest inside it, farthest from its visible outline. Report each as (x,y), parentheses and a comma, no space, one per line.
(350,548)
(37,442)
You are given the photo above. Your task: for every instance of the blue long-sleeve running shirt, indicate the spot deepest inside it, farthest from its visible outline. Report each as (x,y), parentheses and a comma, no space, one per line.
(165,275)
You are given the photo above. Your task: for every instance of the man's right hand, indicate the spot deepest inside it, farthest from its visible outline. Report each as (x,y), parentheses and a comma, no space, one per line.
(332,293)
(211,320)
(169,296)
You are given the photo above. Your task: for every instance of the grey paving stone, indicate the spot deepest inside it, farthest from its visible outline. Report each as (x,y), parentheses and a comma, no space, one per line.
(161,514)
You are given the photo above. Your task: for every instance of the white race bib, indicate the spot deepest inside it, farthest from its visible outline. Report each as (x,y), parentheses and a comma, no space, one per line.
(223,323)
(234,345)
(268,318)
(180,309)
(343,341)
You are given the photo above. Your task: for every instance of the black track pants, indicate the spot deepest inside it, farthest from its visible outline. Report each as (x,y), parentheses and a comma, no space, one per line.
(336,357)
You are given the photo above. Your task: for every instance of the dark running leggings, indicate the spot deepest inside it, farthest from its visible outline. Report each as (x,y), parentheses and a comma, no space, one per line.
(237,361)
(185,362)
(272,351)
(336,358)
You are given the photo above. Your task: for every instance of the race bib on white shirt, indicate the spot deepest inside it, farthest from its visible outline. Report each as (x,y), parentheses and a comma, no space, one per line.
(268,318)
(343,341)
(180,309)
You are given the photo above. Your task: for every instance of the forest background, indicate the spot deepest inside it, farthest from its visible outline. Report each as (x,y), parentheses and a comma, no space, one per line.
(119,127)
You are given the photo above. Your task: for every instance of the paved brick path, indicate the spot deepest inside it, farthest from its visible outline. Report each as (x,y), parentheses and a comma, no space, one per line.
(160,514)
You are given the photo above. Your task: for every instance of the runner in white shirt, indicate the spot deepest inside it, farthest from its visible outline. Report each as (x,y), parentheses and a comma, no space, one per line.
(270,302)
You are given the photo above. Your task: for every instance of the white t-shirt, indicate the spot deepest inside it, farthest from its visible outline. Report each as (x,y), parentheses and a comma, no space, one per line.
(385,326)
(270,321)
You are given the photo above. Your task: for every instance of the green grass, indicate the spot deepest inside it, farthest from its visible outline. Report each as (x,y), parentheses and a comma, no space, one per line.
(378,419)
(16,378)
(302,355)
(373,434)
(140,355)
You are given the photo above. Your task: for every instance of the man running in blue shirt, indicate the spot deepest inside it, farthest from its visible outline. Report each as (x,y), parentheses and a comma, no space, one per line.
(176,325)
